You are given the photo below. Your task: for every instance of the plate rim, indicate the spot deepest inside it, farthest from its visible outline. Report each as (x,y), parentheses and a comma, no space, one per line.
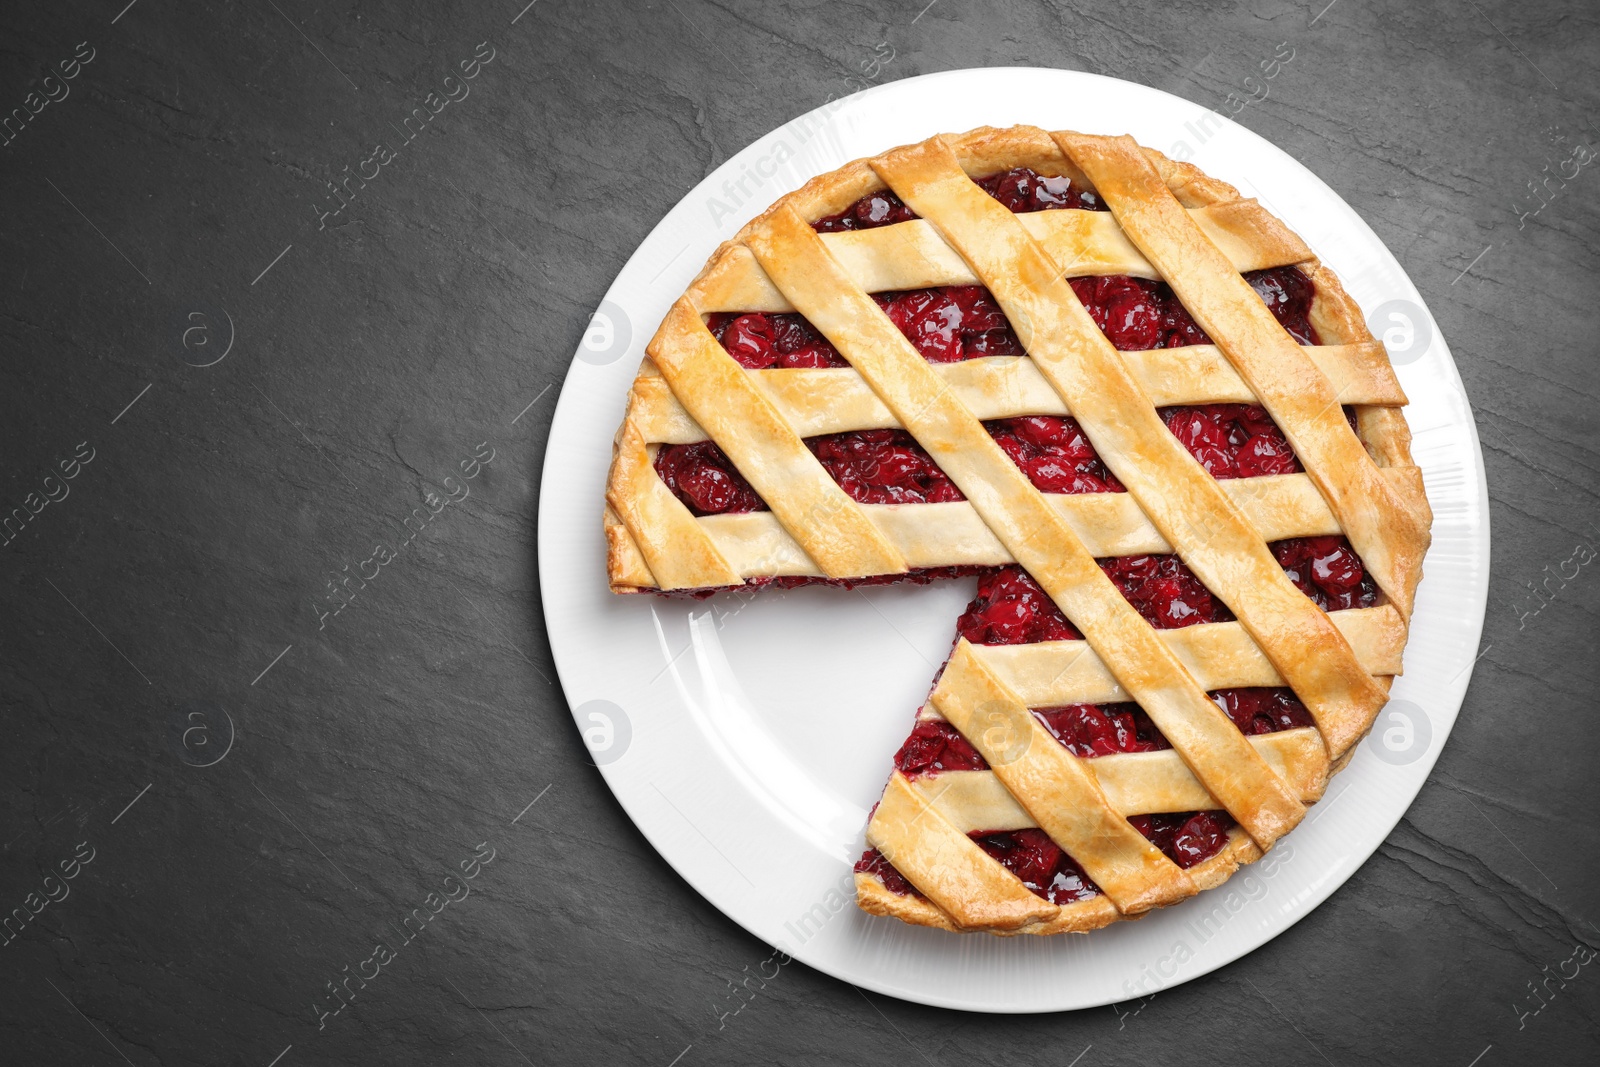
(685,866)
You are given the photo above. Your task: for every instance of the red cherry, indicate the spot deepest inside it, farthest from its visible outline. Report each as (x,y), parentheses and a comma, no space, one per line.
(1205,440)
(1337,569)
(1178,328)
(1023,189)
(979,310)
(1083,729)
(1011,609)
(1288,294)
(1035,857)
(1199,838)
(883,467)
(880,209)
(873,862)
(1053,476)
(1264,454)
(1132,324)
(1255,419)
(748,339)
(1327,570)
(704,479)
(1146,737)
(992,343)
(934,747)
(1039,863)
(1044,431)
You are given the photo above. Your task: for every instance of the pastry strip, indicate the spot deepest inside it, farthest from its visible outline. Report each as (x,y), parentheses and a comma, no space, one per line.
(1134,783)
(912,255)
(1056,788)
(952,534)
(1218,655)
(836,400)
(1183,501)
(1023,520)
(675,550)
(1388,532)
(812,507)
(947,866)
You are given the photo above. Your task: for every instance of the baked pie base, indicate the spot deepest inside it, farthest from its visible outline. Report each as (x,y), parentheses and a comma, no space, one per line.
(1168,221)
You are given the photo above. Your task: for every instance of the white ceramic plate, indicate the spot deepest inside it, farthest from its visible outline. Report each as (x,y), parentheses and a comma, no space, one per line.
(717,724)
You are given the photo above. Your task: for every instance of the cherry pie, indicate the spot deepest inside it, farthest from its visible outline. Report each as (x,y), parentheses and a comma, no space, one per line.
(1141,412)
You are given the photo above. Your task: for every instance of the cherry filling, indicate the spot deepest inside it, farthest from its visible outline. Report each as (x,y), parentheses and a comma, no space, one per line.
(1232,440)
(1019,189)
(1263,709)
(1328,571)
(868,213)
(883,467)
(1011,609)
(951,323)
(872,862)
(1137,314)
(935,747)
(705,480)
(1165,591)
(1187,837)
(1288,293)
(1023,189)
(873,466)
(1039,863)
(1090,730)
(1054,453)
(761,341)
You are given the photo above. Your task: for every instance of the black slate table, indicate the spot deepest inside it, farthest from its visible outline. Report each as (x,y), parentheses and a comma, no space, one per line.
(223,376)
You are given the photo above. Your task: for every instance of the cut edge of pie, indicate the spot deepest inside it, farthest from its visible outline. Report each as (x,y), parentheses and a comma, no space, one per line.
(1168,222)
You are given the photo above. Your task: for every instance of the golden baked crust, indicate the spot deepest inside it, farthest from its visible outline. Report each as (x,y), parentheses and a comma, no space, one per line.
(1167,220)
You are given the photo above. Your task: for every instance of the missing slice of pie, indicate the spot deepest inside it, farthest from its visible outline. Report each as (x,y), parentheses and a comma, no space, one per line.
(1135,405)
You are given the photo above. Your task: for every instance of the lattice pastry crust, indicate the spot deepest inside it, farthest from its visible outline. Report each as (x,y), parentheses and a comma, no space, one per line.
(1167,221)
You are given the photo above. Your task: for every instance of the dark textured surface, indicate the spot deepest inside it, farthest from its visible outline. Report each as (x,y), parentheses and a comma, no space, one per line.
(374,356)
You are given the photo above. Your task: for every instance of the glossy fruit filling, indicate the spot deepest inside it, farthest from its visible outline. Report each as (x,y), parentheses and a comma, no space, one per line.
(1137,314)
(883,467)
(1054,453)
(705,479)
(1328,571)
(1039,863)
(956,323)
(872,466)
(890,467)
(948,324)
(1186,838)
(766,340)
(1232,440)
(1093,730)
(1020,189)
(873,862)
(951,323)
(1011,609)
